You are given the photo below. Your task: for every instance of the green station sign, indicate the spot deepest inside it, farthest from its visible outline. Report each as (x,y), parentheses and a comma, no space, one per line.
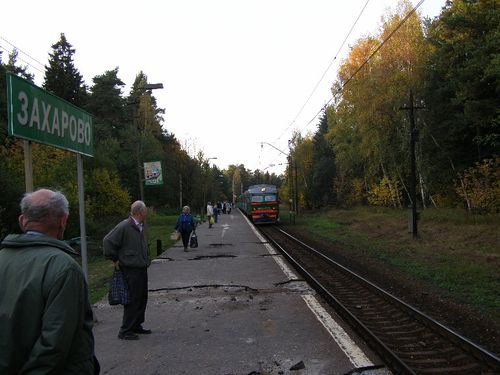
(37,115)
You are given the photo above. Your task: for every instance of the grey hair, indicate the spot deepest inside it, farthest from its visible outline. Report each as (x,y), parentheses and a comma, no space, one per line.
(137,207)
(186,208)
(55,205)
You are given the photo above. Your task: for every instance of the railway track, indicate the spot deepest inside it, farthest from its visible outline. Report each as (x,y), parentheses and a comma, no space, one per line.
(406,339)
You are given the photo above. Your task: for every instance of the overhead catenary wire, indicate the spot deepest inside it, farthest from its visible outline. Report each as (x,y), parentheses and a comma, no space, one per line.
(21,59)
(339,91)
(326,71)
(20,50)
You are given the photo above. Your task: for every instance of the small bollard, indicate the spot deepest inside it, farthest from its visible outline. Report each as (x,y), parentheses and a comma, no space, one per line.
(158,247)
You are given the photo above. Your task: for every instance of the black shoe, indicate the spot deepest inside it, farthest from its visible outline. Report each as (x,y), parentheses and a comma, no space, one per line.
(128,336)
(142,331)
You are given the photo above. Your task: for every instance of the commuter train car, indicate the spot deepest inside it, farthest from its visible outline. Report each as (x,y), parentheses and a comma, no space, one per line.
(260,203)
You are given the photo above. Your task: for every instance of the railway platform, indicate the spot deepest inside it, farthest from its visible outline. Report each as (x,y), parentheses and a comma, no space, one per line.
(232,306)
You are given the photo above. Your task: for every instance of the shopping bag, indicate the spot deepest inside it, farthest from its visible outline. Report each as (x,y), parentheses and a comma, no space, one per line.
(193,240)
(212,221)
(118,290)
(175,236)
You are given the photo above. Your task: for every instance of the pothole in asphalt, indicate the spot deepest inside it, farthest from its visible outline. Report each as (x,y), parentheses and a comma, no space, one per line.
(199,257)
(220,244)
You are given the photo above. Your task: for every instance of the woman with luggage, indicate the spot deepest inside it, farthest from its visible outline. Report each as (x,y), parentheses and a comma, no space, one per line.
(185,225)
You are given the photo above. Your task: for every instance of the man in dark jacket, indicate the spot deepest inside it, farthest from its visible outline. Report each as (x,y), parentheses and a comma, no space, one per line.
(126,246)
(45,315)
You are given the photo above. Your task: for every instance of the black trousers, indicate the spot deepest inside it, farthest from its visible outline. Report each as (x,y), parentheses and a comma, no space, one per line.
(133,313)
(185,238)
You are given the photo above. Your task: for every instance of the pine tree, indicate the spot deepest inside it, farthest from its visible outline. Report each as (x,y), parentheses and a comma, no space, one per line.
(61,76)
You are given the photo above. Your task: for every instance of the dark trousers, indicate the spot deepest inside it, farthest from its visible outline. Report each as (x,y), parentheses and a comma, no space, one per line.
(133,313)
(185,238)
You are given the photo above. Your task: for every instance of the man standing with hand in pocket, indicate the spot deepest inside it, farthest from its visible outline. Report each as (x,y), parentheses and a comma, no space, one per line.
(126,246)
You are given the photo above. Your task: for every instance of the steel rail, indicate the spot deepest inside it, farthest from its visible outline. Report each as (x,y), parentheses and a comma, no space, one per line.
(392,359)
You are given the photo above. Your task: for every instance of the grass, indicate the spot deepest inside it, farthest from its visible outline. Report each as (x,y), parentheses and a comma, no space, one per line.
(158,227)
(458,254)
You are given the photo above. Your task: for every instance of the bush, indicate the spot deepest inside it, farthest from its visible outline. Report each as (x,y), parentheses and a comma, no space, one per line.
(107,202)
(387,193)
(479,186)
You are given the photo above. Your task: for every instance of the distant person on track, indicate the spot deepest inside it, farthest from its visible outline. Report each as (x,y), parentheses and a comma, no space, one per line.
(210,214)
(45,315)
(126,246)
(185,225)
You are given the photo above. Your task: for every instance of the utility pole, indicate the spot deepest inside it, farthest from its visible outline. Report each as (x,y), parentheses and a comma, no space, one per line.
(296,208)
(180,191)
(413,165)
(141,129)
(293,190)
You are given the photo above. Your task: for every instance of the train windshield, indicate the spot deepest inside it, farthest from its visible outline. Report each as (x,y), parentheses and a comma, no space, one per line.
(264,198)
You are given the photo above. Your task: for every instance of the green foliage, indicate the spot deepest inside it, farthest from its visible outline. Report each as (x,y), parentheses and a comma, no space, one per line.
(462,79)
(349,192)
(302,164)
(106,200)
(321,187)
(61,76)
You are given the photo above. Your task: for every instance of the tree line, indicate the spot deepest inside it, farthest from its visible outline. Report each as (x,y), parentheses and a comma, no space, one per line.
(360,152)
(127,131)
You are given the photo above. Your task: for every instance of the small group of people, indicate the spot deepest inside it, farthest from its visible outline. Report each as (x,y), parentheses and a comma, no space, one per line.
(224,207)
(45,315)
(214,210)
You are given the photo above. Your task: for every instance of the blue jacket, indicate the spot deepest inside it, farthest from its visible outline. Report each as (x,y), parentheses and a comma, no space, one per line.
(185,223)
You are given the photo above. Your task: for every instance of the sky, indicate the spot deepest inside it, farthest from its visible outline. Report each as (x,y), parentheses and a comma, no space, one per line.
(239,76)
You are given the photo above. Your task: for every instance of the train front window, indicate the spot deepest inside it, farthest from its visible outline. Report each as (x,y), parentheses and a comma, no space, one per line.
(270,198)
(257,198)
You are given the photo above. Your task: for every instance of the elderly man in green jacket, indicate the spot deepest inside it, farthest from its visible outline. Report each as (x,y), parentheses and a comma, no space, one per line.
(45,315)
(126,246)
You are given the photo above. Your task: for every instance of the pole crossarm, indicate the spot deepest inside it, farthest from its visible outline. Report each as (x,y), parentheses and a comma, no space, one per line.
(276,148)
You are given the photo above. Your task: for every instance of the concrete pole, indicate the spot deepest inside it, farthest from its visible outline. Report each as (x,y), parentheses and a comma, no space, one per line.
(28,166)
(413,167)
(81,206)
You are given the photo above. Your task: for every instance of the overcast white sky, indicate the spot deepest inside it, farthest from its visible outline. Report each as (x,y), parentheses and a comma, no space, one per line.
(236,73)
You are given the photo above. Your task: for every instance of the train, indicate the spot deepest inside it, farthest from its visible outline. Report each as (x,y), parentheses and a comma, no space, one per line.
(260,203)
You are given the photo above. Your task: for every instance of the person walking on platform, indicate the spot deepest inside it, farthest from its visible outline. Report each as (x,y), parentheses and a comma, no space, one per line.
(126,246)
(210,214)
(216,212)
(185,225)
(45,315)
